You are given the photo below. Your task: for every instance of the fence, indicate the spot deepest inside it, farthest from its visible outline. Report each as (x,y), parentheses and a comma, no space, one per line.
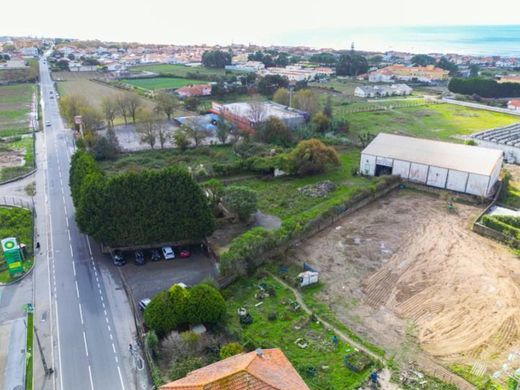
(17,202)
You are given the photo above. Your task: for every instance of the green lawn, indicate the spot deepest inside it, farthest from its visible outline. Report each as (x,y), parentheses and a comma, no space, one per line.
(157,159)
(179,70)
(16,94)
(321,363)
(161,83)
(16,222)
(436,121)
(280,196)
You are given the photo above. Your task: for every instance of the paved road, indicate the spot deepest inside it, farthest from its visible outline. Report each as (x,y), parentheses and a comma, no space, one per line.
(90,322)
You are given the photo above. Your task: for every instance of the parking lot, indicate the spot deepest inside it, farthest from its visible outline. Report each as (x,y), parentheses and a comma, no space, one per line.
(154,276)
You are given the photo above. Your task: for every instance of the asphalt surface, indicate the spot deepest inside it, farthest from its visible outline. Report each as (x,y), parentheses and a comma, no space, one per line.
(89,344)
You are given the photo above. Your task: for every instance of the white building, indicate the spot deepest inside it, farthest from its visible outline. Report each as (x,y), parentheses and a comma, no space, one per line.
(456,167)
(249,66)
(368,91)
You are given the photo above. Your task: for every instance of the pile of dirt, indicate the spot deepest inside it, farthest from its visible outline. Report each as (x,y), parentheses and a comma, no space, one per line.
(318,190)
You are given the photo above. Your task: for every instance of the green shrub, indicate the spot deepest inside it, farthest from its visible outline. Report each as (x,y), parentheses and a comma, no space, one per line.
(205,305)
(180,369)
(241,200)
(152,341)
(230,349)
(159,315)
(494,223)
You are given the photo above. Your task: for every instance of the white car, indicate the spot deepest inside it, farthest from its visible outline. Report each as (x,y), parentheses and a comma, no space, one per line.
(168,253)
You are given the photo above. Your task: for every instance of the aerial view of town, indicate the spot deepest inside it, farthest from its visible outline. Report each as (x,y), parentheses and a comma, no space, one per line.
(285,197)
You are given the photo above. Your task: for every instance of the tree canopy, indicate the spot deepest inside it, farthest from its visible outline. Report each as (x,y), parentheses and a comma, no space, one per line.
(216,58)
(483,87)
(351,65)
(310,157)
(422,60)
(269,84)
(138,208)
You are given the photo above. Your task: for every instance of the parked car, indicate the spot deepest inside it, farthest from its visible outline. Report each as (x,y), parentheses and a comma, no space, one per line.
(139,258)
(155,255)
(168,253)
(143,303)
(118,259)
(184,253)
(47,123)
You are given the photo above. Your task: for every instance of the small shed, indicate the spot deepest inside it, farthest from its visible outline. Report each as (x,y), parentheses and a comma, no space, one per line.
(456,167)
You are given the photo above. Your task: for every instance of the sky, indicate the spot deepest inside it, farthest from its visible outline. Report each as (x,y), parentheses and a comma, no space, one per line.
(225,21)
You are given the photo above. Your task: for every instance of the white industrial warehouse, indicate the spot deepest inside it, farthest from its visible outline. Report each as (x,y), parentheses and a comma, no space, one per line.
(462,168)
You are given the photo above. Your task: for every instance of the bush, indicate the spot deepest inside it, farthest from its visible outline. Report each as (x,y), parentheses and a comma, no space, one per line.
(152,341)
(205,305)
(180,369)
(487,88)
(311,157)
(230,349)
(159,315)
(241,200)
(495,223)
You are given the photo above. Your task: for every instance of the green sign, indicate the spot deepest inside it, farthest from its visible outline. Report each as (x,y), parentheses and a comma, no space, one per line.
(9,244)
(13,255)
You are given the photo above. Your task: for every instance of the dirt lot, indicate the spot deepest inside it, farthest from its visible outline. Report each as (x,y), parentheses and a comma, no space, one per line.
(404,268)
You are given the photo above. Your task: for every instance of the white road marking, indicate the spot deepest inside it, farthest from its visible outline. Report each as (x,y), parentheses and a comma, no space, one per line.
(113,348)
(90,376)
(71,253)
(85,341)
(74,268)
(80,313)
(77,288)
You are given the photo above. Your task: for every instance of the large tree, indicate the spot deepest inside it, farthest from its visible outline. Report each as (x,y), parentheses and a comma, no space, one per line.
(310,157)
(422,60)
(306,100)
(241,200)
(351,65)
(216,58)
(448,65)
(269,84)
(166,104)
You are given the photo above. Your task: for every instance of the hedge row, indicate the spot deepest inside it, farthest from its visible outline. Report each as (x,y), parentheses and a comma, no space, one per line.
(245,251)
(501,224)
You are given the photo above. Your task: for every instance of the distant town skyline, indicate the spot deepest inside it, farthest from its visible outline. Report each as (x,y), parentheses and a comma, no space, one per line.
(231,21)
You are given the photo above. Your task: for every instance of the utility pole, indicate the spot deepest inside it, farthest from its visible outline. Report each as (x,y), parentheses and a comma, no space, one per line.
(48,370)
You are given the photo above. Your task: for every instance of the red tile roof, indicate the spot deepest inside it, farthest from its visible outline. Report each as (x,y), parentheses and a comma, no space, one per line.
(247,371)
(514,102)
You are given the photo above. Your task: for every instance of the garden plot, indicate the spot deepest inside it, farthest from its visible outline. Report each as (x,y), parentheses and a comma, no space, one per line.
(405,266)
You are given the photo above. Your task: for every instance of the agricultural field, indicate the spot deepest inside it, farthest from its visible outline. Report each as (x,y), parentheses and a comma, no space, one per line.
(153,84)
(15,108)
(16,222)
(278,322)
(411,277)
(179,70)
(435,121)
(81,83)
(16,141)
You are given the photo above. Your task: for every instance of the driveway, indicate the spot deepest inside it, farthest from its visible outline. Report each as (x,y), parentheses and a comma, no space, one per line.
(147,280)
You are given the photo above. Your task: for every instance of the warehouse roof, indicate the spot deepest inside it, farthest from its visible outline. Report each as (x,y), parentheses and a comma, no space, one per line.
(458,157)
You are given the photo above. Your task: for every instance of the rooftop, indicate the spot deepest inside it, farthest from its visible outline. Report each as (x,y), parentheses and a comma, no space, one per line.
(268,370)
(265,110)
(458,157)
(507,135)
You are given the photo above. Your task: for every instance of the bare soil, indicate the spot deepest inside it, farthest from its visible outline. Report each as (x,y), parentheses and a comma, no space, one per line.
(404,268)
(12,158)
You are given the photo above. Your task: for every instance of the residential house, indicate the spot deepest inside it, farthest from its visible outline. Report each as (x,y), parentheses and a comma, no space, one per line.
(267,369)
(426,74)
(514,104)
(194,90)
(512,78)
(367,91)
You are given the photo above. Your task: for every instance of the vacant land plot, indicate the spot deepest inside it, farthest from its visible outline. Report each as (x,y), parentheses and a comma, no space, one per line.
(153,84)
(179,70)
(15,107)
(404,266)
(276,322)
(280,196)
(81,83)
(436,121)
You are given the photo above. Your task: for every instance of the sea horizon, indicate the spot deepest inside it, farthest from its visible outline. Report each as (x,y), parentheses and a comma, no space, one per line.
(477,40)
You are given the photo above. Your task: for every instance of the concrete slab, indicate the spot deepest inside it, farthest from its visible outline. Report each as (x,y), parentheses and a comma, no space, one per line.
(14,374)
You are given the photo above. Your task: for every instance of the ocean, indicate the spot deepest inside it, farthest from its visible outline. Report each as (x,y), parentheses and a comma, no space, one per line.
(501,40)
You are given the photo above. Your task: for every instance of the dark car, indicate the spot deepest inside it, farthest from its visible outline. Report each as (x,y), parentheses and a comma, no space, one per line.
(155,255)
(118,259)
(139,258)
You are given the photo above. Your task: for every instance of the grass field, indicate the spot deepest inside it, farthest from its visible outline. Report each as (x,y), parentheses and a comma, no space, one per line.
(30,352)
(161,83)
(157,159)
(16,222)
(16,158)
(435,121)
(15,106)
(277,324)
(80,83)
(178,70)
(280,196)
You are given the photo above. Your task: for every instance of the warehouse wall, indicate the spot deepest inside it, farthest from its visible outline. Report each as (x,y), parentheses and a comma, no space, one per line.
(437,177)
(457,180)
